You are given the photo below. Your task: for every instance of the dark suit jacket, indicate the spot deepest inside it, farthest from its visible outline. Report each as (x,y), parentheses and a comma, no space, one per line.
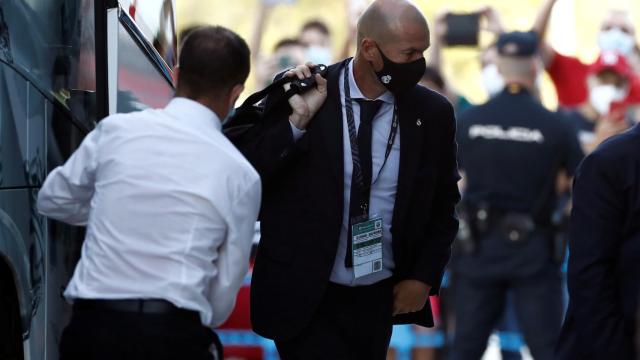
(604,263)
(301,212)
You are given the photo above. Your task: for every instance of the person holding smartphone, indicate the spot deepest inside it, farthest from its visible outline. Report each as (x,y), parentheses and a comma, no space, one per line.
(462,29)
(606,112)
(568,73)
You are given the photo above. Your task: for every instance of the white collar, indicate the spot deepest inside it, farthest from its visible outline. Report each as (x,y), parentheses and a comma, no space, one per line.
(182,107)
(355,90)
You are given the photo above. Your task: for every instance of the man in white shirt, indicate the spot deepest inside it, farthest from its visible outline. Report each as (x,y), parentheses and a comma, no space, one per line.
(170,206)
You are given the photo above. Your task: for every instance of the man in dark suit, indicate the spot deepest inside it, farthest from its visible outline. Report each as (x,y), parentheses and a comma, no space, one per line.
(604,262)
(367,155)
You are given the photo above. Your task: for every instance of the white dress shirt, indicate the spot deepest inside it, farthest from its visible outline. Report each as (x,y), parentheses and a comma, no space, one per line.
(383,189)
(169,204)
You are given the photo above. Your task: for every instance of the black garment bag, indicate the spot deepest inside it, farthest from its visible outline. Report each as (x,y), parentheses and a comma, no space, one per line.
(255,108)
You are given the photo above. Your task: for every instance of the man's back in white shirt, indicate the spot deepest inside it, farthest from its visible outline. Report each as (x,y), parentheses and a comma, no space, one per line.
(169,205)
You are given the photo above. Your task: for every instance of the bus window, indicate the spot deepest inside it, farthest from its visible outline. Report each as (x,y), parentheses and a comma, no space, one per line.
(140,84)
(53,42)
(13,129)
(36,152)
(156,19)
(63,137)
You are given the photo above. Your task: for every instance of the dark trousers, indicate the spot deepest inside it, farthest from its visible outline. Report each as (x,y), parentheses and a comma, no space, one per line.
(509,324)
(99,334)
(480,304)
(351,323)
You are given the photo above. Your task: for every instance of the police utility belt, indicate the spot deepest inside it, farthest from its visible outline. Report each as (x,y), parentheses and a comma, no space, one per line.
(517,228)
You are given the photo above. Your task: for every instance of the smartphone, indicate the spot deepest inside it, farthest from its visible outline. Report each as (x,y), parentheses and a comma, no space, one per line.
(462,29)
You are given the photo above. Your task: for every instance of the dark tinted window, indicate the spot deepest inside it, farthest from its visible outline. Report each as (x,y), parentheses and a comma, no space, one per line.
(53,42)
(13,129)
(63,137)
(36,152)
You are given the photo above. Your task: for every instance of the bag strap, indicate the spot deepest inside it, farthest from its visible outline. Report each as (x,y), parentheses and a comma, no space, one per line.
(258,96)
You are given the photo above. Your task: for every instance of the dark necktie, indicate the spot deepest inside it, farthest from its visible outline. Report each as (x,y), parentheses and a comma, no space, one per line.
(360,196)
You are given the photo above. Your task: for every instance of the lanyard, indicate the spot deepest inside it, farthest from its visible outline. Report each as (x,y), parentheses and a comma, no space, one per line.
(355,153)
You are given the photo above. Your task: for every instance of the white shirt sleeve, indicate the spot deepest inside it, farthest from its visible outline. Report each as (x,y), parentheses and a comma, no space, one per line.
(297,133)
(234,253)
(66,193)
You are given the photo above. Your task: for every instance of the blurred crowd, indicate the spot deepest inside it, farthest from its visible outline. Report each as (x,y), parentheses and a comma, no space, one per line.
(600,99)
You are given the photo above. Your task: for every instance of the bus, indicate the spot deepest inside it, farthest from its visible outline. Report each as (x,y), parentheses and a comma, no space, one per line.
(64,65)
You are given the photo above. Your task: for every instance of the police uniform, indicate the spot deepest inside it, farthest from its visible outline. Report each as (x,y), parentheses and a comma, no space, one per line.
(511,150)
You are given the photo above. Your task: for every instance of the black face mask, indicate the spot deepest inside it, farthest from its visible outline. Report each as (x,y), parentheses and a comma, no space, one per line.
(400,77)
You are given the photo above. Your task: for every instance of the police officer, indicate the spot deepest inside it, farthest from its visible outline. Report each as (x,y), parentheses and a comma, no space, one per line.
(511,151)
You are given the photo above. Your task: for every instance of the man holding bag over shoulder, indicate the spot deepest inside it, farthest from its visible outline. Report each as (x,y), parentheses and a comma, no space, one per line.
(360,188)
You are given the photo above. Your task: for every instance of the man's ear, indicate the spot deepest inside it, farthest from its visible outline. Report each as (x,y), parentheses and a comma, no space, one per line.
(371,53)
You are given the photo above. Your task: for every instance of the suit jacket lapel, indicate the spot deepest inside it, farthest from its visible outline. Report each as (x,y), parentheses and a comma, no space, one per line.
(411,137)
(331,117)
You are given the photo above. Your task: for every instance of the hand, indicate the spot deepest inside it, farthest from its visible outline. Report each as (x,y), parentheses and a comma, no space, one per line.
(410,296)
(354,9)
(493,24)
(306,105)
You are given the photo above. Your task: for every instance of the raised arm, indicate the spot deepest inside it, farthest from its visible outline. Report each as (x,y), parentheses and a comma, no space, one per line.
(272,143)
(493,22)
(540,27)
(258,31)
(354,9)
(434,60)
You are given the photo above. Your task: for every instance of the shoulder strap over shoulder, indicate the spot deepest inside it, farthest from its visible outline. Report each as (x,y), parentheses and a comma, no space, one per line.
(255,98)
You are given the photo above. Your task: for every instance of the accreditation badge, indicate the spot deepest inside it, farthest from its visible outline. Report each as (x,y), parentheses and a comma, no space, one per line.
(366,241)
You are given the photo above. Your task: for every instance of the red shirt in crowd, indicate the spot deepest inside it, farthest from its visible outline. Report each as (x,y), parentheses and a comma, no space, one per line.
(569,75)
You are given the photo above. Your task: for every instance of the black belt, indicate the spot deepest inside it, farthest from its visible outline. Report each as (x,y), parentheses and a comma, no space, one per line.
(150,306)
(140,306)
